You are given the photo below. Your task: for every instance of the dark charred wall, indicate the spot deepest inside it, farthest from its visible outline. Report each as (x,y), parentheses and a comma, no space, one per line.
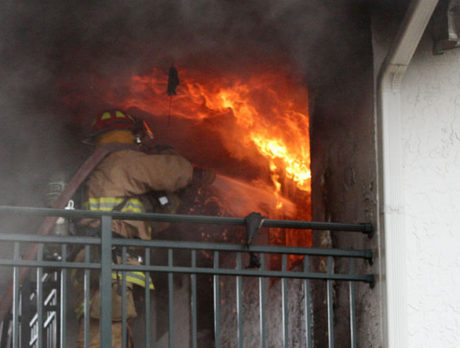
(344,174)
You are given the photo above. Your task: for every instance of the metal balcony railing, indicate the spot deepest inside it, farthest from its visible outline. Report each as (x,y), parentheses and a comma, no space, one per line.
(50,322)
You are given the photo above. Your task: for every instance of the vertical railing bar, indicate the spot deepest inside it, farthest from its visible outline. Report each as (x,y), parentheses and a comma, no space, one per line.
(52,332)
(352,306)
(330,311)
(193,302)
(307,303)
(40,298)
(63,301)
(15,299)
(147,299)
(284,297)
(216,302)
(262,296)
(105,287)
(124,336)
(239,305)
(86,301)
(171,300)
(56,325)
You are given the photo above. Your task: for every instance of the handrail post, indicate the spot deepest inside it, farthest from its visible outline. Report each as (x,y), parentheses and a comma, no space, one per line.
(105,287)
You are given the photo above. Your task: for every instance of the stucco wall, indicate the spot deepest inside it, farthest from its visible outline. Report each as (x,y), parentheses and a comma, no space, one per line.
(431,176)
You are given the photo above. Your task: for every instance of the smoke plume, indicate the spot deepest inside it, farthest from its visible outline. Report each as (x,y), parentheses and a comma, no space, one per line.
(53,48)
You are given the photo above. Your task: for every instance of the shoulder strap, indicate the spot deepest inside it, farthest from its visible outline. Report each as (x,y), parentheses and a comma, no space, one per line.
(84,171)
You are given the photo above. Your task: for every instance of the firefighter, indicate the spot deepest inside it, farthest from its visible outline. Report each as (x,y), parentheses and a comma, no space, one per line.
(119,183)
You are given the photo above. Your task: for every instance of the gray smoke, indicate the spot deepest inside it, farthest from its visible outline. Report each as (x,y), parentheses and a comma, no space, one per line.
(49,48)
(52,47)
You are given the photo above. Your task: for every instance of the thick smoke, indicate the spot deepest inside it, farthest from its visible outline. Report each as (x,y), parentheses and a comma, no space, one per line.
(52,47)
(78,41)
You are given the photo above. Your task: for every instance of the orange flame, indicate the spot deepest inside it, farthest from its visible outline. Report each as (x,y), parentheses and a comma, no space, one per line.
(262,116)
(270,112)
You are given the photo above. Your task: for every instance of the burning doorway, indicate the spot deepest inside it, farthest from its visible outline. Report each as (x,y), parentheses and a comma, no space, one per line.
(253,129)
(251,126)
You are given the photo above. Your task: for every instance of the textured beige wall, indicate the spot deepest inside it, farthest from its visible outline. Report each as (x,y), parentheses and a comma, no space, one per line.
(431,159)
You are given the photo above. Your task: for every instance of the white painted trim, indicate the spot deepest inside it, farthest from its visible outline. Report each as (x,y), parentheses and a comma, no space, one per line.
(392,235)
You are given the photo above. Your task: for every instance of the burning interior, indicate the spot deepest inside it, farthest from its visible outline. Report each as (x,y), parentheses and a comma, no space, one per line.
(276,97)
(251,127)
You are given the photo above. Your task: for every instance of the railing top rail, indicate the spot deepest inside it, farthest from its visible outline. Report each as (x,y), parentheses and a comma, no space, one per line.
(181,218)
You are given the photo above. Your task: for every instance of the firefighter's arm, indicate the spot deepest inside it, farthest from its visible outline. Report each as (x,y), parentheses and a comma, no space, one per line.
(203,176)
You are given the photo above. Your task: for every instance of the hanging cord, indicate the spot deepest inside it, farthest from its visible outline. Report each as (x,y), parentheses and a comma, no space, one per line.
(173,82)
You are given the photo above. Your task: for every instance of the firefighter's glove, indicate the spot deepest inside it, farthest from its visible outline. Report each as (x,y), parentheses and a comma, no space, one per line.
(203,177)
